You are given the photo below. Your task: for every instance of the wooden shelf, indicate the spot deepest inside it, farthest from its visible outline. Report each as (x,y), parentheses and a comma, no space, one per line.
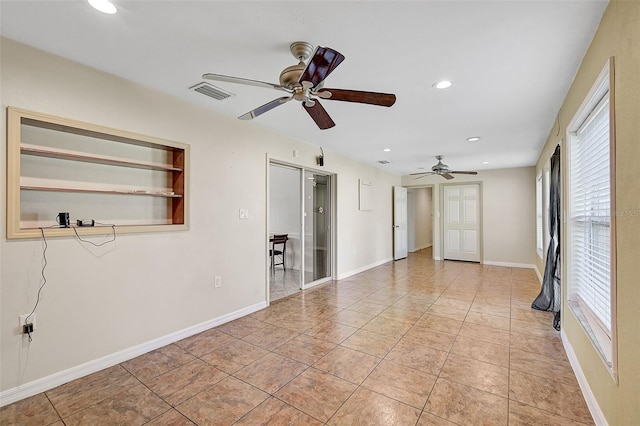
(98,191)
(96,160)
(90,158)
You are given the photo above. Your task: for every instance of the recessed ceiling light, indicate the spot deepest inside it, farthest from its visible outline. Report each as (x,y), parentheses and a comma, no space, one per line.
(104,6)
(444,84)
(485,162)
(473,138)
(387,149)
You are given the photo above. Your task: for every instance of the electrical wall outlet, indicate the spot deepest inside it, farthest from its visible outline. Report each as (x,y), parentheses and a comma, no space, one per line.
(217,281)
(21,322)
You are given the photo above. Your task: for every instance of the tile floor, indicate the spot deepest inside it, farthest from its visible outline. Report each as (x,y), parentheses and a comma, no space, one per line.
(413,342)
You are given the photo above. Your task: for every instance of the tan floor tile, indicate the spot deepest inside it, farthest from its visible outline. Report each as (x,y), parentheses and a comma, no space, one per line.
(305,349)
(399,314)
(367,307)
(316,393)
(477,374)
(420,357)
(170,418)
(133,406)
(428,419)
(402,383)
(89,390)
(555,397)
(184,382)
(493,321)
(438,323)
(224,403)
(550,347)
(387,327)
(448,312)
(465,405)
(34,410)
(319,311)
(275,412)
(534,328)
(234,356)
(351,318)
(370,343)
(241,327)
(481,350)
(271,372)
(347,364)
(331,331)
(449,302)
(486,308)
(413,304)
(205,342)
(525,415)
(488,334)
(156,362)
(532,315)
(270,337)
(434,339)
(543,366)
(371,409)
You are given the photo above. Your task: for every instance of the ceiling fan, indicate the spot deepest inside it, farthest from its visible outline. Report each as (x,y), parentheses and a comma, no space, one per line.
(304,82)
(442,170)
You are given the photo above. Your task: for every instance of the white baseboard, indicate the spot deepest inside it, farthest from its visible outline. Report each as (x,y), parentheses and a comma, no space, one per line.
(509,264)
(589,397)
(539,276)
(364,268)
(44,384)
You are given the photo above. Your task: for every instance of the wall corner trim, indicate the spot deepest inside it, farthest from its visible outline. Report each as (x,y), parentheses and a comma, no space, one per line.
(49,382)
(597,414)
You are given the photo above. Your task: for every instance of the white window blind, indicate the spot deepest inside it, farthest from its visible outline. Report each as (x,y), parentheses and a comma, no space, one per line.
(590,214)
(539,235)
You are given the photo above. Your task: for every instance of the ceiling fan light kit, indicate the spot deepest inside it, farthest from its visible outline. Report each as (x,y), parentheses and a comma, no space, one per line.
(304,83)
(443,170)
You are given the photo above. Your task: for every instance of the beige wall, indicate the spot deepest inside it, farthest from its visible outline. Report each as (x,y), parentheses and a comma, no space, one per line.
(98,302)
(618,36)
(508,213)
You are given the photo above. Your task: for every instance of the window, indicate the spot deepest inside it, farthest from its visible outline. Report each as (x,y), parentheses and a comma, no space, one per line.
(590,220)
(539,234)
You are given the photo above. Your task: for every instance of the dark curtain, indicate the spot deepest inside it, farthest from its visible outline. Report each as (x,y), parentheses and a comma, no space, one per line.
(550,295)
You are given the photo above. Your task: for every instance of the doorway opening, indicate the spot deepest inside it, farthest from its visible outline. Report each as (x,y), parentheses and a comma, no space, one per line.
(300,207)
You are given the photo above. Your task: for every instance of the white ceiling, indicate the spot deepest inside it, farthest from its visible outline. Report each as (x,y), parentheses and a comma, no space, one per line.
(511,64)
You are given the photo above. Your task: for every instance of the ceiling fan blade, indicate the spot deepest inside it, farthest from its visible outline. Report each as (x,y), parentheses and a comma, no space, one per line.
(464,172)
(319,115)
(264,108)
(323,61)
(446,175)
(425,174)
(373,98)
(246,81)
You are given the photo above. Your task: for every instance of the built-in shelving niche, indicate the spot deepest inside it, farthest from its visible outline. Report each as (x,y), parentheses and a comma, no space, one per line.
(138,183)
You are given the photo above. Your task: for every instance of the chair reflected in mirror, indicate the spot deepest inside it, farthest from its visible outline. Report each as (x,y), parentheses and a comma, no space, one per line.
(278,250)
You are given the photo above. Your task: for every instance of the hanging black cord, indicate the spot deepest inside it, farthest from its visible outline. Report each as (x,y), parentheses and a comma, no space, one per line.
(44,281)
(113,228)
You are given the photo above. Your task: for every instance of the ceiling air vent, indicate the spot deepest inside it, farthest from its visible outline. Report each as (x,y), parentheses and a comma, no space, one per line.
(211,91)
(384,161)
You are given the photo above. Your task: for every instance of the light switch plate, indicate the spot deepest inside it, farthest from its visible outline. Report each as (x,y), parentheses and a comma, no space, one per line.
(244,213)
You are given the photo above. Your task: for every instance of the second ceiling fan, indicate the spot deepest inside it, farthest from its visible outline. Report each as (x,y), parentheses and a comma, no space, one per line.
(441,169)
(304,82)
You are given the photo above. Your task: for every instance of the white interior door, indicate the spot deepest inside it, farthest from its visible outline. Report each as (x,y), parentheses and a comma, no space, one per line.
(462,222)
(399,222)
